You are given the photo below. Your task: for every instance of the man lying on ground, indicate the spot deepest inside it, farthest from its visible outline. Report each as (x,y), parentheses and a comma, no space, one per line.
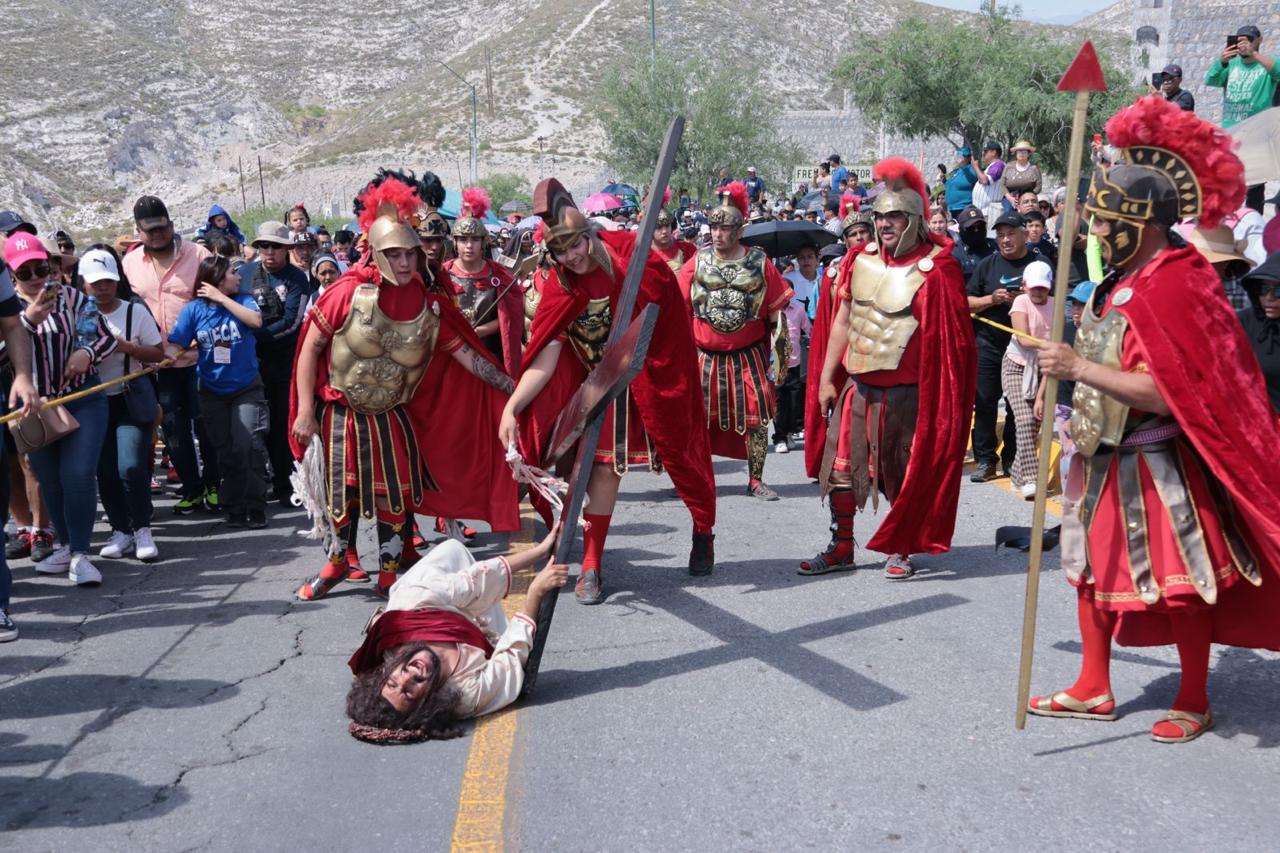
(443,649)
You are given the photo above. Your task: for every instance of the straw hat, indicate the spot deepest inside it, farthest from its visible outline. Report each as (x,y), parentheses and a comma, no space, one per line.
(1218,245)
(1023,144)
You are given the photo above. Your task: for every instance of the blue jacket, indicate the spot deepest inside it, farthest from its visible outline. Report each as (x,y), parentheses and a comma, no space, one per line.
(232,229)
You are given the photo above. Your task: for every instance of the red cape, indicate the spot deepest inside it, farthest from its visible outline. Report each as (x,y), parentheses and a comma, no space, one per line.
(667,391)
(510,313)
(1206,371)
(397,627)
(923,517)
(455,416)
(815,422)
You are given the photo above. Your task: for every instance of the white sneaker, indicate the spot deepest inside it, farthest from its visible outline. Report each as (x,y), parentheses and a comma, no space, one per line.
(83,572)
(782,447)
(146,546)
(8,630)
(121,543)
(56,563)
(1029,491)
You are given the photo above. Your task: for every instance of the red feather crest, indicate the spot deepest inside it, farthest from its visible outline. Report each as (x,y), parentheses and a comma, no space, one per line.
(1206,147)
(539,231)
(391,191)
(849,203)
(666,197)
(737,193)
(475,202)
(900,174)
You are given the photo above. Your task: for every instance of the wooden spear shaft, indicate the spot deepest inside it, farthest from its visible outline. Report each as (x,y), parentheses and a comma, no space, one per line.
(1069,230)
(102,386)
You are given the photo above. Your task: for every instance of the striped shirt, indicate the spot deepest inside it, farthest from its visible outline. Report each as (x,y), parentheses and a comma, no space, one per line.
(54,342)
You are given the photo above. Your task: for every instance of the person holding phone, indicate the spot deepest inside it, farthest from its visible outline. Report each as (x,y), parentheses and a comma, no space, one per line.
(1169,83)
(1248,78)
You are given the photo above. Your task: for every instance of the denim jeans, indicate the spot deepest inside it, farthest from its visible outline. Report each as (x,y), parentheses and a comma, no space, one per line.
(180,403)
(124,478)
(67,471)
(237,426)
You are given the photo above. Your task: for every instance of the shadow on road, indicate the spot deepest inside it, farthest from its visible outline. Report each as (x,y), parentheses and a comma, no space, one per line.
(83,799)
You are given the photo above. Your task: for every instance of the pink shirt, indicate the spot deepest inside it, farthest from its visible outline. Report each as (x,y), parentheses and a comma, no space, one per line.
(797,322)
(1039,324)
(166,292)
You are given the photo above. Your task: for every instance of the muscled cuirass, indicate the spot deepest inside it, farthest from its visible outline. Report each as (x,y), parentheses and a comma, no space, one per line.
(728,294)
(676,261)
(880,319)
(590,332)
(375,361)
(1096,418)
(477,295)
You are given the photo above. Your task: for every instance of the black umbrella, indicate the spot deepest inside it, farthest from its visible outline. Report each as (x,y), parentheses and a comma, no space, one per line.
(810,198)
(780,239)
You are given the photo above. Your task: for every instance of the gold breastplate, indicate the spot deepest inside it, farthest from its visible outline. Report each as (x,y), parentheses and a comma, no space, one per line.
(880,319)
(676,261)
(728,294)
(375,361)
(1096,418)
(589,333)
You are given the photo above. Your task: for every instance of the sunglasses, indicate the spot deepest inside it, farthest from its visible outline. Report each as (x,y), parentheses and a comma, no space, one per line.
(1273,291)
(27,272)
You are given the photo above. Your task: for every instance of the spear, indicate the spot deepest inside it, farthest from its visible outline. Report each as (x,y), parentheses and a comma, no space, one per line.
(1083,76)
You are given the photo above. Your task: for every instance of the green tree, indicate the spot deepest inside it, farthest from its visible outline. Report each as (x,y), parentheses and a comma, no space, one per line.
(971,80)
(729,122)
(504,187)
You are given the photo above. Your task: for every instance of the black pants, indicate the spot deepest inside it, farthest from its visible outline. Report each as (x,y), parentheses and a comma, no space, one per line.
(276,375)
(1256,197)
(790,394)
(986,407)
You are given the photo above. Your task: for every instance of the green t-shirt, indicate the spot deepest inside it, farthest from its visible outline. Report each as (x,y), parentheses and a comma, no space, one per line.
(1249,88)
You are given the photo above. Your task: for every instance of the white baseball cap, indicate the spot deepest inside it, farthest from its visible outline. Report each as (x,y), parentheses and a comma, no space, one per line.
(1037,274)
(97,265)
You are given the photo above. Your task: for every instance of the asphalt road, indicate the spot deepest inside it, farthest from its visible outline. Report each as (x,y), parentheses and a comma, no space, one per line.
(193,705)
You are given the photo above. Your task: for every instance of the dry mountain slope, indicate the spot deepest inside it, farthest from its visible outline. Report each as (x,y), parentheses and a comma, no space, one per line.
(126,96)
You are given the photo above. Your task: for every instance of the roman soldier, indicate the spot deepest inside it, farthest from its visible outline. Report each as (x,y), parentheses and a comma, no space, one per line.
(675,251)
(432,228)
(898,376)
(657,423)
(737,296)
(384,366)
(856,226)
(1173,427)
(486,292)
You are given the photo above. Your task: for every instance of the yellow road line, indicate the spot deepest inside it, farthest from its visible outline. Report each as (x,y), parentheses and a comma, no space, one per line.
(482,800)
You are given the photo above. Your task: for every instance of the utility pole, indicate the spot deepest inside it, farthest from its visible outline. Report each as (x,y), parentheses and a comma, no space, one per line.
(244,202)
(475,131)
(541,139)
(488,77)
(653,35)
(262,187)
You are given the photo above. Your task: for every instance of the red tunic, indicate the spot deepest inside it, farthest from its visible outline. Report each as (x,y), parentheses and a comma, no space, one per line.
(665,393)
(457,441)
(738,394)
(1183,332)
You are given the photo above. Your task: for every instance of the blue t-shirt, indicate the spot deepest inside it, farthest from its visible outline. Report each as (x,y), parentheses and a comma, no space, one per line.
(228,360)
(960,184)
(838,174)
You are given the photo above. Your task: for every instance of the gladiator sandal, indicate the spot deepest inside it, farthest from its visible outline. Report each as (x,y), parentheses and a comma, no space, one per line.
(898,567)
(1063,704)
(839,556)
(1189,725)
(702,557)
(588,589)
(330,576)
(442,527)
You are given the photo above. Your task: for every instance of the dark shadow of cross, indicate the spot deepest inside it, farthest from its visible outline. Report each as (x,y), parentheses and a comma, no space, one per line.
(783,650)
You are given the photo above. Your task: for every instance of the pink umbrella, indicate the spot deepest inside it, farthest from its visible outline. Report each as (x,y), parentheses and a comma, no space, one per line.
(601,203)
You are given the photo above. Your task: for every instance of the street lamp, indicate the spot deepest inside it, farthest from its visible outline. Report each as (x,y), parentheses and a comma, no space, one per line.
(653,35)
(475,135)
(541,139)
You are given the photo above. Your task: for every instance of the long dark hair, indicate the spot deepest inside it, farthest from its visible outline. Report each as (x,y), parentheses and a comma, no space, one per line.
(377,721)
(124,290)
(213,270)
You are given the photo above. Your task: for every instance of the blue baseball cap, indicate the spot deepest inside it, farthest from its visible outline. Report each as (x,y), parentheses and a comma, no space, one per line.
(1082,292)
(966,151)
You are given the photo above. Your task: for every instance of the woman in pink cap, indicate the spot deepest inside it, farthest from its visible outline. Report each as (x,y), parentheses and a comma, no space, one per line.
(64,359)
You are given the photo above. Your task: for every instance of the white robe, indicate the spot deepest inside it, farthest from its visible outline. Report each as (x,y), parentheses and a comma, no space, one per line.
(449,578)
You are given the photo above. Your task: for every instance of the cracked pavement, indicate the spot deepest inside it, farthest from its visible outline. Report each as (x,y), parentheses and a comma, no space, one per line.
(193,705)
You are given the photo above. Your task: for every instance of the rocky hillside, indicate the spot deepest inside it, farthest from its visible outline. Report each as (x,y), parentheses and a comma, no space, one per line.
(167,96)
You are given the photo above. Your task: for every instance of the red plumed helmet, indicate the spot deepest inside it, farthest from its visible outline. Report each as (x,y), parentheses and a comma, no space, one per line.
(735,195)
(392,191)
(666,197)
(475,203)
(899,175)
(1207,149)
(849,203)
